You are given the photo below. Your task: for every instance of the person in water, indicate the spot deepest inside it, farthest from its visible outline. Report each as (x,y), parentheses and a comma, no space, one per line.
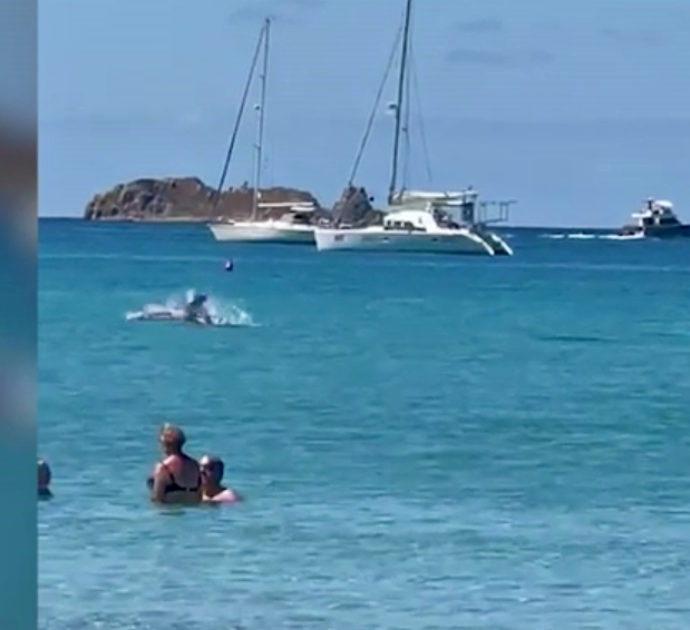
(44,477)
(195,311)
(212,469)
(177,478)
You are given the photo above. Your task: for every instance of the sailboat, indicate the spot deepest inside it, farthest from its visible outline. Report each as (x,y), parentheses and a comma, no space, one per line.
(294,224)
(417,220)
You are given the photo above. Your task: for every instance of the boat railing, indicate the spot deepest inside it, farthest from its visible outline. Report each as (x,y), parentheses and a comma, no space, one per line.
(494,211)
(412,197)
(296,206)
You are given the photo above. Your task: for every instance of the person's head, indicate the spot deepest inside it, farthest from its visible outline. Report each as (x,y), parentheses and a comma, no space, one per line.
(172,439)
(199,299)
(212,469)
(44,476)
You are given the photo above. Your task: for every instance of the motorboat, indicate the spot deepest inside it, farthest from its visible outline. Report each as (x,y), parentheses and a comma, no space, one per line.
(656,219)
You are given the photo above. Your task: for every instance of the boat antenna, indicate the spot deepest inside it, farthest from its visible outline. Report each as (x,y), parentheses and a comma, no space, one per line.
(260,129)
(235,130)
(372,116)
(399,102)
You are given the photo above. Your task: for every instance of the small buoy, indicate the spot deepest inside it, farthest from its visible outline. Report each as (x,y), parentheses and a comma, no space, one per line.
(228,265)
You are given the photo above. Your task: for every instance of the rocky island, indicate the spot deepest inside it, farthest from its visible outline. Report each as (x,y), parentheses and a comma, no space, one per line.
(188,199)
(185,199)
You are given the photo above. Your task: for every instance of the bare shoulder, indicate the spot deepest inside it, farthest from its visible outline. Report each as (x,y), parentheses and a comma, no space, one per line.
(192,462)
(236,496)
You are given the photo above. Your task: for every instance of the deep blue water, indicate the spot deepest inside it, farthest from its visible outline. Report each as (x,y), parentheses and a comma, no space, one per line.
(424,441)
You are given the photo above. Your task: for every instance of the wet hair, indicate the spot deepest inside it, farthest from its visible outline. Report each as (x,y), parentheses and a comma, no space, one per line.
(215,464)
(172,435)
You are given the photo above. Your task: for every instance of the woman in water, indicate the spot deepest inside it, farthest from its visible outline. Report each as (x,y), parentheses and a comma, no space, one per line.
(176,479)
(212,469)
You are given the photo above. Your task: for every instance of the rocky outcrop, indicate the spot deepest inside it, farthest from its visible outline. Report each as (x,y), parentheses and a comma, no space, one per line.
(354,209)
(188,199)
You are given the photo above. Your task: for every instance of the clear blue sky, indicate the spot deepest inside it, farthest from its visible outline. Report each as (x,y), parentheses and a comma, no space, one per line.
(577,109)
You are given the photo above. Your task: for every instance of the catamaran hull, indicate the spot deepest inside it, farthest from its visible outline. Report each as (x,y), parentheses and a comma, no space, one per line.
(262,233)
(465,243)
(500,247)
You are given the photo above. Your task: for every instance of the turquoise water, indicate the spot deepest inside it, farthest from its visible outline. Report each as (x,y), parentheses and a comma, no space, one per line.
(424,441)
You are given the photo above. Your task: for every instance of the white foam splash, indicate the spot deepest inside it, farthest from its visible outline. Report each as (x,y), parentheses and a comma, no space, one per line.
(229,313)
(589,236)
(222,312)
(623,237)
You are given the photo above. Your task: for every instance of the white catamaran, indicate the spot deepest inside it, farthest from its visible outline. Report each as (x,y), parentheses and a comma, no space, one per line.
(294,225)
(418,220)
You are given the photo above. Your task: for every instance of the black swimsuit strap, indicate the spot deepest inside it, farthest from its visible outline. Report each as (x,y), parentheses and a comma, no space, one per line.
(173,486)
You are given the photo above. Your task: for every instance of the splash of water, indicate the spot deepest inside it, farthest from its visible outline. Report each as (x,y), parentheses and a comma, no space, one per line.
(222,312)
(623,237)
(586,236)
(228,312)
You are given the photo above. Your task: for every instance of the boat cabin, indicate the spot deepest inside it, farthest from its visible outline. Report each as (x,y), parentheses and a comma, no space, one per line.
(295,212)
(409,221)
(656,213)
(449,209)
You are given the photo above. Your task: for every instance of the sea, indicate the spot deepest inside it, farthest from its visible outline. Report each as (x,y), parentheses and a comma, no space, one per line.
(422,441)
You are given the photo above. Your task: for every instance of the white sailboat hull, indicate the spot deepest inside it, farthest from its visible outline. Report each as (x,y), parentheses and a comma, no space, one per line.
(449,241)
(263,232)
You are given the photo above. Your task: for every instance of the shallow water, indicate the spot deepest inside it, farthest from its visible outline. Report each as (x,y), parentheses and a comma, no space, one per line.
(424,441)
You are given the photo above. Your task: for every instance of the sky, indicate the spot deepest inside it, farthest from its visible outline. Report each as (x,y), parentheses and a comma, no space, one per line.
(578,110)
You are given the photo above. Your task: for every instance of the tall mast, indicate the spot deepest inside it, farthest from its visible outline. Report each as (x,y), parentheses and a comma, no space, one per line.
(399,102)
(260,128)
(238,119)
(405,126)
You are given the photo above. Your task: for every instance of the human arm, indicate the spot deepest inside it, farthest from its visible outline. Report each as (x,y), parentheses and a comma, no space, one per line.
(160,480)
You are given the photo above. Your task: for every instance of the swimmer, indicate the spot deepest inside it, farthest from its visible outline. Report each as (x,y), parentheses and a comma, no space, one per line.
(44,477)
(229,265)
(212,469)
(195,311)
(176,479)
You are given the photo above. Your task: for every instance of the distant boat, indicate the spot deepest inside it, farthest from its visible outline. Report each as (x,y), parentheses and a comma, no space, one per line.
(422,220)
(294,226)
(655,220)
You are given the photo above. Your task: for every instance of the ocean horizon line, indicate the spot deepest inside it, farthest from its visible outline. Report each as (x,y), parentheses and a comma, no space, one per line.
(506,226)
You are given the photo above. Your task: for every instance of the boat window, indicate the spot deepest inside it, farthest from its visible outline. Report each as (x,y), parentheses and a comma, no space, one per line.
(408,226)
(468,212)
